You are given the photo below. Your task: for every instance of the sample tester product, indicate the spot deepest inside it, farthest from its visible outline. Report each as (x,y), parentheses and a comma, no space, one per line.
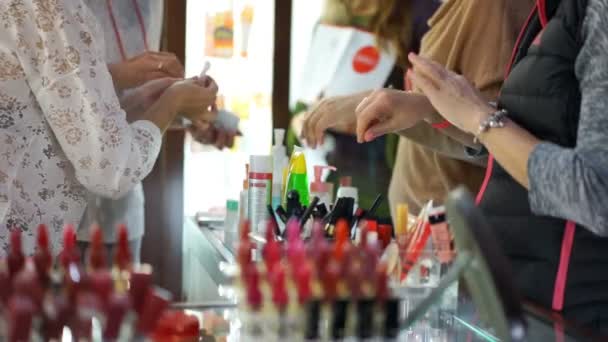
(323,190)
(260,191)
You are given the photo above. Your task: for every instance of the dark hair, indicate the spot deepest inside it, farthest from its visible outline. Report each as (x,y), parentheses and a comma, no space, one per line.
(392,23)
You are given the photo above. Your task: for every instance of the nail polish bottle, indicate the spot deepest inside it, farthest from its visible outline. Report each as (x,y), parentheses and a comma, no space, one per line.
(27,284)
(308,301)
(360,313)
(329,310)
(88,307)
(70,253)
(271,251)
(280,301)
(43,258)
(387,306)
(15,259)
(20,316)
(342,240)
(122,258)
(6,287)
(295,245)
(140,281)
(97,253)
(120,318)
(55,313)
(157,301)
(252,321)
(245,248)
(101,283)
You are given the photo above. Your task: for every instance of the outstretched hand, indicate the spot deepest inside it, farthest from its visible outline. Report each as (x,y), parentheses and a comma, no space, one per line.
(452,95)
(387,111)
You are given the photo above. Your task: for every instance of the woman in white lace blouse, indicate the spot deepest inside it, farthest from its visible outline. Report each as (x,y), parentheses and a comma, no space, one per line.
(61,125)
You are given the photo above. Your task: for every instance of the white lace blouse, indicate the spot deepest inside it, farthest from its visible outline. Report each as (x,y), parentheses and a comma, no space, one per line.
(61,126)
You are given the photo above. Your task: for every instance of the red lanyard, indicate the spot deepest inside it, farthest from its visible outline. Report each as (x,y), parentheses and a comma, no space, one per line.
(142,26)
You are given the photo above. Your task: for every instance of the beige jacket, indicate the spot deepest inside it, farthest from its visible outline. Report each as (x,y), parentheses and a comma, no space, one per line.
(474,38)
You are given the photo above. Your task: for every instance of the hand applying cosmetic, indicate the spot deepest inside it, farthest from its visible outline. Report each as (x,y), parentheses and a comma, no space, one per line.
(451,94)
(387,111)
(220,132)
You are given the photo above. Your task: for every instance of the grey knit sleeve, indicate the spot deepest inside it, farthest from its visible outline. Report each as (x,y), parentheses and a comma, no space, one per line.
(573,183)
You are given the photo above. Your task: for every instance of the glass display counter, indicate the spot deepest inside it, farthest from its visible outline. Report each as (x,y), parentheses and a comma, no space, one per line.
(474,301)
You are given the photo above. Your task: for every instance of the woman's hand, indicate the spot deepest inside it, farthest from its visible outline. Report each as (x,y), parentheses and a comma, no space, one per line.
(329,113)
(455,98)
(195,99)
(386,111)
(145,67)
(208,134)
(139,100)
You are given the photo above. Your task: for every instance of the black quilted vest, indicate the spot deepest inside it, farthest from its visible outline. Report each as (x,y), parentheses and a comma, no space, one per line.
(556,263)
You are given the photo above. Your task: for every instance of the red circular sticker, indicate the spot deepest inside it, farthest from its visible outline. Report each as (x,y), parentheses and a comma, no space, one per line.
(366,59)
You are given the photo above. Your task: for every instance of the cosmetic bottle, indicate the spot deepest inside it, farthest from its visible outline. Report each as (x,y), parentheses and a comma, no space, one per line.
(70,253)
(140,280)
(347,190)
(43,258)
(97,252)
(443,249)
(120,318)
(26,284)
(15,259)
(323,190)
(6,287)
(156,302)
(297,179)
(271,251)
(279,163)
(280,300)
(244,198)
(122,260)
(20,312)
(252,320)
(260,191)
(245,248)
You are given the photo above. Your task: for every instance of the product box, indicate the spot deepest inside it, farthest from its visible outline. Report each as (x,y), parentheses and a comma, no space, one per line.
(343,61)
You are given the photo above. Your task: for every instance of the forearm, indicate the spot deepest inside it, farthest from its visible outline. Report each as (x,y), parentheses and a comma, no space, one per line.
(132,103)
(163,111)
(348,104)
(117,72)
(445,144)
(511,146)
(447,140)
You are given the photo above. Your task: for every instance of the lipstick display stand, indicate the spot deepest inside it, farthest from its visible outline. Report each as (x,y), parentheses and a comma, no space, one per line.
(473,300)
